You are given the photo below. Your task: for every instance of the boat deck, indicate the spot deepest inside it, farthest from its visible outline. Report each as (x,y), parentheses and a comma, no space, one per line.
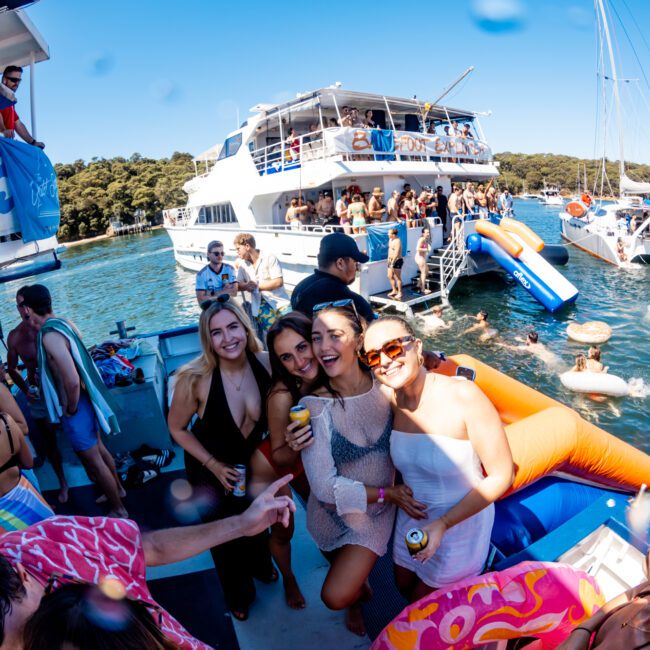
(410,298)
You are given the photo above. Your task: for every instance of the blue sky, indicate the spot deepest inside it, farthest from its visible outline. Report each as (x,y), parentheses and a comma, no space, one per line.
(154,76)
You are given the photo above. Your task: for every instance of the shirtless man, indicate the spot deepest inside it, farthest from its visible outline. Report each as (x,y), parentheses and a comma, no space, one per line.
(376,210)
(434,321)
(325,206)
(482,325)
(491,196)
(21,342)
(346,118)
(481,198)
(533,346)
(395,263)
(79,421)
(469,199)
(392,206)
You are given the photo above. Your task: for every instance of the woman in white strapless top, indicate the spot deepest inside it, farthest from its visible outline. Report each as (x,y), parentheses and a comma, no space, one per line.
(450,447)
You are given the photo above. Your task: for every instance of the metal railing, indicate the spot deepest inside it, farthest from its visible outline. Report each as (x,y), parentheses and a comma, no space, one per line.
(178,216)
(350,144)
(454,258)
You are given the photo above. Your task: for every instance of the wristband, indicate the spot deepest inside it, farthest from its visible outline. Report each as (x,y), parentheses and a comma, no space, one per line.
(382,495)
(207,462)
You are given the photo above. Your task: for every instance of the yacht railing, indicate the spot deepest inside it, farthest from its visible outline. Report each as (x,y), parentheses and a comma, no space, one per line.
(454,258)
(349,144)
(178,216)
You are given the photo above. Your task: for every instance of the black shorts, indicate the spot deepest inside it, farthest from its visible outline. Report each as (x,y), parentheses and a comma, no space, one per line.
(397,264)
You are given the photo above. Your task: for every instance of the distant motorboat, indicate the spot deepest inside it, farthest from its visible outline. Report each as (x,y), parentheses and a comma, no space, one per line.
(550,195)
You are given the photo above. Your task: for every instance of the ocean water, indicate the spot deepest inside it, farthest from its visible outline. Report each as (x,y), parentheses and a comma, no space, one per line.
(136,279)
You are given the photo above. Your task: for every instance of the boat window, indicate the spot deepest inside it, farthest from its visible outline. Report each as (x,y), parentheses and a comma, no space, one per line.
(219,213)
(230,146)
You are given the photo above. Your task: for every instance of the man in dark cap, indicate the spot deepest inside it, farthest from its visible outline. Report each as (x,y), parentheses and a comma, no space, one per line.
(338,260)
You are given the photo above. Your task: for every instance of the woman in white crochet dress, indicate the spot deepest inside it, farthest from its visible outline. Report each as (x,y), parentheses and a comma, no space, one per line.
(450,447)
(351,507)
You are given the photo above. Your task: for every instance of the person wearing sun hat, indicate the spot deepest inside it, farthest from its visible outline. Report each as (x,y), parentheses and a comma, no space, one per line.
(376,208)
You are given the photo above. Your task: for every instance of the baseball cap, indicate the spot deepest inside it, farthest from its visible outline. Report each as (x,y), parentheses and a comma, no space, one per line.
(338,244)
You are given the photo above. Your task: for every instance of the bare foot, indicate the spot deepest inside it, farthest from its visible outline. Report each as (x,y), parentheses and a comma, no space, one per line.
(398,296)
(120,513)
(103,499)
(292,593)
(63,494)
(354,620)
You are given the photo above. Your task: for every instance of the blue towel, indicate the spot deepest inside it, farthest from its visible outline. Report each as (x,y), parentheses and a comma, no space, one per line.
(382,141)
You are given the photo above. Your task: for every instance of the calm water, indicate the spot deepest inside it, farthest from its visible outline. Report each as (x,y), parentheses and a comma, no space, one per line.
(135,279)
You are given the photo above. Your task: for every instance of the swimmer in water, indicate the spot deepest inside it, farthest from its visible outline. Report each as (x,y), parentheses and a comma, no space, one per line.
(533,346)
(434,321)
(482,325)
(581,364)
(593,360)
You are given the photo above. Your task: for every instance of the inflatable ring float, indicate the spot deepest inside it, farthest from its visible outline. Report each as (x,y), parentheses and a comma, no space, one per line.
(592,332)
(531,599)
(598,383)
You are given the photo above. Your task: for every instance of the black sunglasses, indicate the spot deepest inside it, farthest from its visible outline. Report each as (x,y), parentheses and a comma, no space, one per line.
(15,80)
(217,253)
(346,303)
(392,349)
(221,299)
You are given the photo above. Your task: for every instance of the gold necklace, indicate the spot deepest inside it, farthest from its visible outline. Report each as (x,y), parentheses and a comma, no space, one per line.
(237,388)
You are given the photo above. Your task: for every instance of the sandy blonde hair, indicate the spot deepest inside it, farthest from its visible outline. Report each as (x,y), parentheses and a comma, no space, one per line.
(208,360)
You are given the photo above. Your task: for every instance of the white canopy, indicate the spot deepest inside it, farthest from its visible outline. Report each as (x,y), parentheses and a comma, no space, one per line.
(628,186)
(20,41)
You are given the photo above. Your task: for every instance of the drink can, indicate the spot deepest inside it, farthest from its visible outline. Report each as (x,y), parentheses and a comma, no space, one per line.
(300,414)
(240,487)
(416,539)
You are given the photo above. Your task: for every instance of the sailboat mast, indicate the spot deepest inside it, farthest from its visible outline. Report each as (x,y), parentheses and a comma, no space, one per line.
(617,99)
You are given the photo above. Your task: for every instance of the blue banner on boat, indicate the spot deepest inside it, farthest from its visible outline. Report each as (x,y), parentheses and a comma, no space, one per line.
(378,239)
(31,180)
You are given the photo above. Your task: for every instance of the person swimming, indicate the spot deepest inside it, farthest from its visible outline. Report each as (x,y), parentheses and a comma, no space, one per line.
(483,326)
(434,320)
(533,345)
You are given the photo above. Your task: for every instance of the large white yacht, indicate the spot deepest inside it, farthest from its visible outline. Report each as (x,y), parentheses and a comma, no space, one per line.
(247,183)
(550,195)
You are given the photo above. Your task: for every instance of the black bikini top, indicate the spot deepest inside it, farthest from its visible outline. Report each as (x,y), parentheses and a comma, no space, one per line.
(13,461)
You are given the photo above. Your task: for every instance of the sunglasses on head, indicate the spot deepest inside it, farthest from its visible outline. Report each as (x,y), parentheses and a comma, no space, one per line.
(392,349)
(346,303)
(221,299)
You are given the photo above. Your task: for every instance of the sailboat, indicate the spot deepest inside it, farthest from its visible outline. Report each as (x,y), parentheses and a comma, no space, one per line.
(618,232)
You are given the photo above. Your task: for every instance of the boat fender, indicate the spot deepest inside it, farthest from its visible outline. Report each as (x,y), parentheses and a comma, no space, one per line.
(539,599)
(593,332)
(576,209)
(596,383)
(586,199)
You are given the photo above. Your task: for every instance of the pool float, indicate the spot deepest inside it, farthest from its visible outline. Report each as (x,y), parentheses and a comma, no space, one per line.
(592,332)
(598,383)
(546,437)
(531,599)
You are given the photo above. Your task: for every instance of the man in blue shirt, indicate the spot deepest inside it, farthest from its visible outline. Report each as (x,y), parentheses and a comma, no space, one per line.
(216,277)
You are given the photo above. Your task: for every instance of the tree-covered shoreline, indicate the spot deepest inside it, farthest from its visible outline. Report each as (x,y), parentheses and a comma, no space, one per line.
(94,193)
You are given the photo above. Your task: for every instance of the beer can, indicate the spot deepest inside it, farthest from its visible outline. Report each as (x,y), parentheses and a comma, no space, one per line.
(240,487)
(416,539)
(300,414)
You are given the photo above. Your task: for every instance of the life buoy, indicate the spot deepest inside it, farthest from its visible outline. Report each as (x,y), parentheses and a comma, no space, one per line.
(576,208)
(593,332)
(595,383)
(586,199)
(538,599)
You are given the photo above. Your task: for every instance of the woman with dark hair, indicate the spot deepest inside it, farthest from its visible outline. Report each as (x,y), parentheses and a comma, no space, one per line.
(225,386)
(84,617)
(449,444)
(350,511)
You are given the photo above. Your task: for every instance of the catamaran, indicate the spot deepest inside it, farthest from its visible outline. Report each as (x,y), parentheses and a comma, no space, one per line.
(618,232)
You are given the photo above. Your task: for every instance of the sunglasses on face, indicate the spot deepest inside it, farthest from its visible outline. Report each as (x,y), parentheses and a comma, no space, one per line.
(392,349)
(14,80)
(221,299)
(217,253)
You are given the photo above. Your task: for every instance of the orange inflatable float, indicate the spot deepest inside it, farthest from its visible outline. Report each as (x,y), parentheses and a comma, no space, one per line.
(576,208)
(545,436)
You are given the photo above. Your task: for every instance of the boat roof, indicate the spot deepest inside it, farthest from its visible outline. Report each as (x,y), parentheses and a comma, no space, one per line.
(209,154)
(325,97)
(20,41)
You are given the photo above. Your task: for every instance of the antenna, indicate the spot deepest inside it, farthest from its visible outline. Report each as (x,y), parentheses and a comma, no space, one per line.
(449,88)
